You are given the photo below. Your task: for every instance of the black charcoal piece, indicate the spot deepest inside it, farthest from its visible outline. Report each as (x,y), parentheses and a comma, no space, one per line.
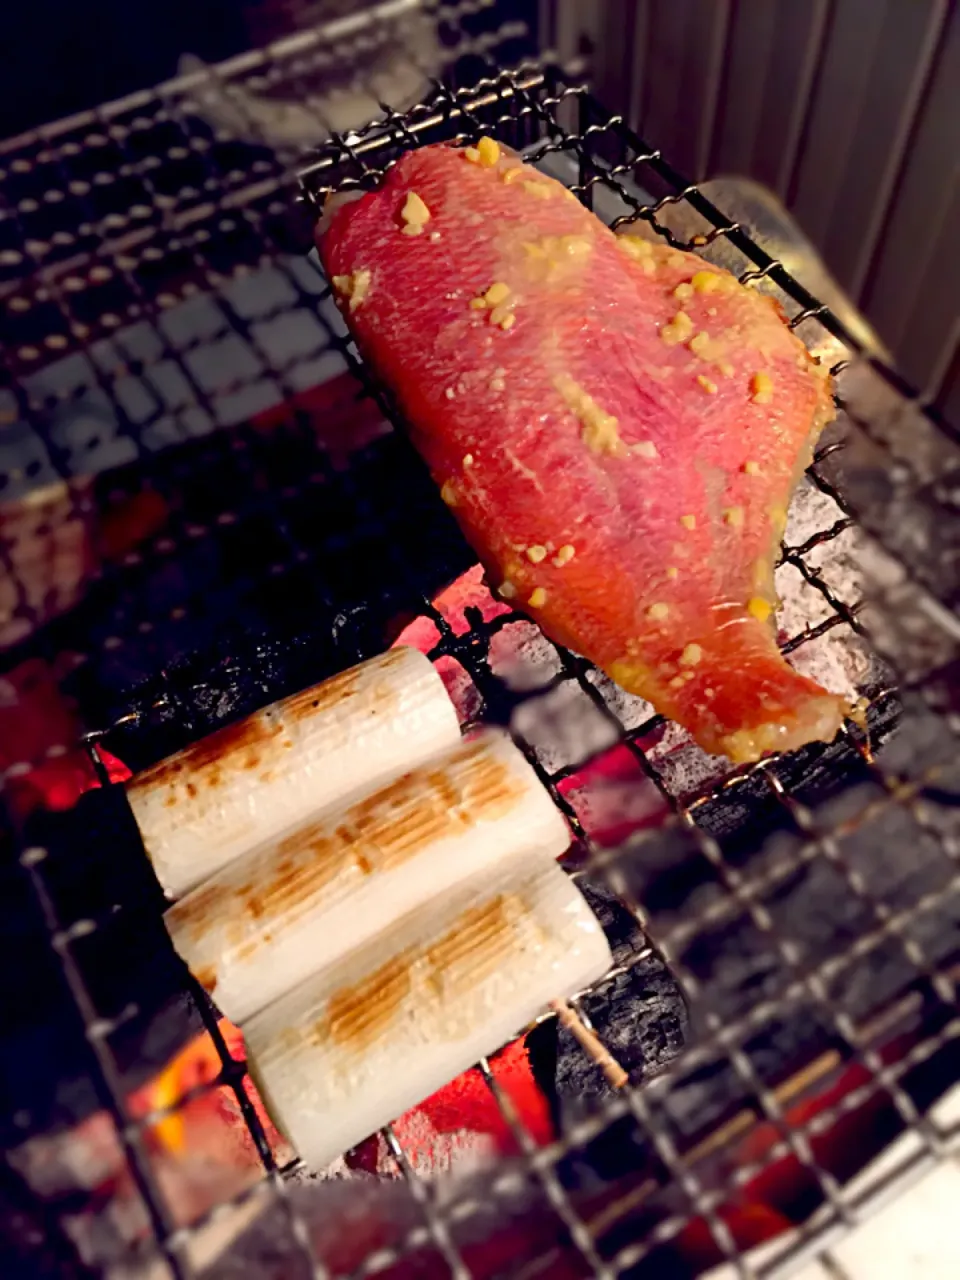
(639,1015)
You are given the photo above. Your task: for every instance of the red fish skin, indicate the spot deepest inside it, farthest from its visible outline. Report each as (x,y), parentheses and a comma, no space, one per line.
(674,512)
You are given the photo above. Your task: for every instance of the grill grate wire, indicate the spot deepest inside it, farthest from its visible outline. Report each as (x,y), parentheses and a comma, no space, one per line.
(528,105)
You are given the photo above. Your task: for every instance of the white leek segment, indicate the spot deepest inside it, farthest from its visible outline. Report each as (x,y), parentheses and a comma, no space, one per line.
(282,911)
(248,782)
(355,1046)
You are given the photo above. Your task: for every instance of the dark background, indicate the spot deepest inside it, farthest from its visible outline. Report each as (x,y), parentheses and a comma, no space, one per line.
(62,56)
(844,110)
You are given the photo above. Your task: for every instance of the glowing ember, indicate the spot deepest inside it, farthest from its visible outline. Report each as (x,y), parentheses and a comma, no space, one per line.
(181,1086)
(201,1146)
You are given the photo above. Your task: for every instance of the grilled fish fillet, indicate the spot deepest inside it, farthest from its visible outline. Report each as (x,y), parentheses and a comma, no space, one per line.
(618,427)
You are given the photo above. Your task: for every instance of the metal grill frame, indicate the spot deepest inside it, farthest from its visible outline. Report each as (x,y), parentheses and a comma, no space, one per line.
(538,100)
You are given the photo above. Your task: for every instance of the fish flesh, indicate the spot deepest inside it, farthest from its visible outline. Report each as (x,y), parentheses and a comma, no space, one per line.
(381,1029)
(273,917)
(617,426)
(250,781)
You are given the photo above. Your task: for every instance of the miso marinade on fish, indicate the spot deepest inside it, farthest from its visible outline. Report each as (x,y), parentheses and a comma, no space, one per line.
(617,426)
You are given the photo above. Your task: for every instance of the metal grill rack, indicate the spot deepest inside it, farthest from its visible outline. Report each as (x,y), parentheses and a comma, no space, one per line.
(146,680)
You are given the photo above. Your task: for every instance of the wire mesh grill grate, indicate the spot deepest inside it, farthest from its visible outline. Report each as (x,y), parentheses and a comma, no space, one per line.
(73,295)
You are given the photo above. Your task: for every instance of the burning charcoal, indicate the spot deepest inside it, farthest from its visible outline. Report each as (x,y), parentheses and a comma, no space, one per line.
(639,1015)
(96,879)
(641,1018)
(523,658)
(563,726)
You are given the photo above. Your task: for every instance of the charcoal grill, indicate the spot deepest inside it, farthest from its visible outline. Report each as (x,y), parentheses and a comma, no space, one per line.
(152,266)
